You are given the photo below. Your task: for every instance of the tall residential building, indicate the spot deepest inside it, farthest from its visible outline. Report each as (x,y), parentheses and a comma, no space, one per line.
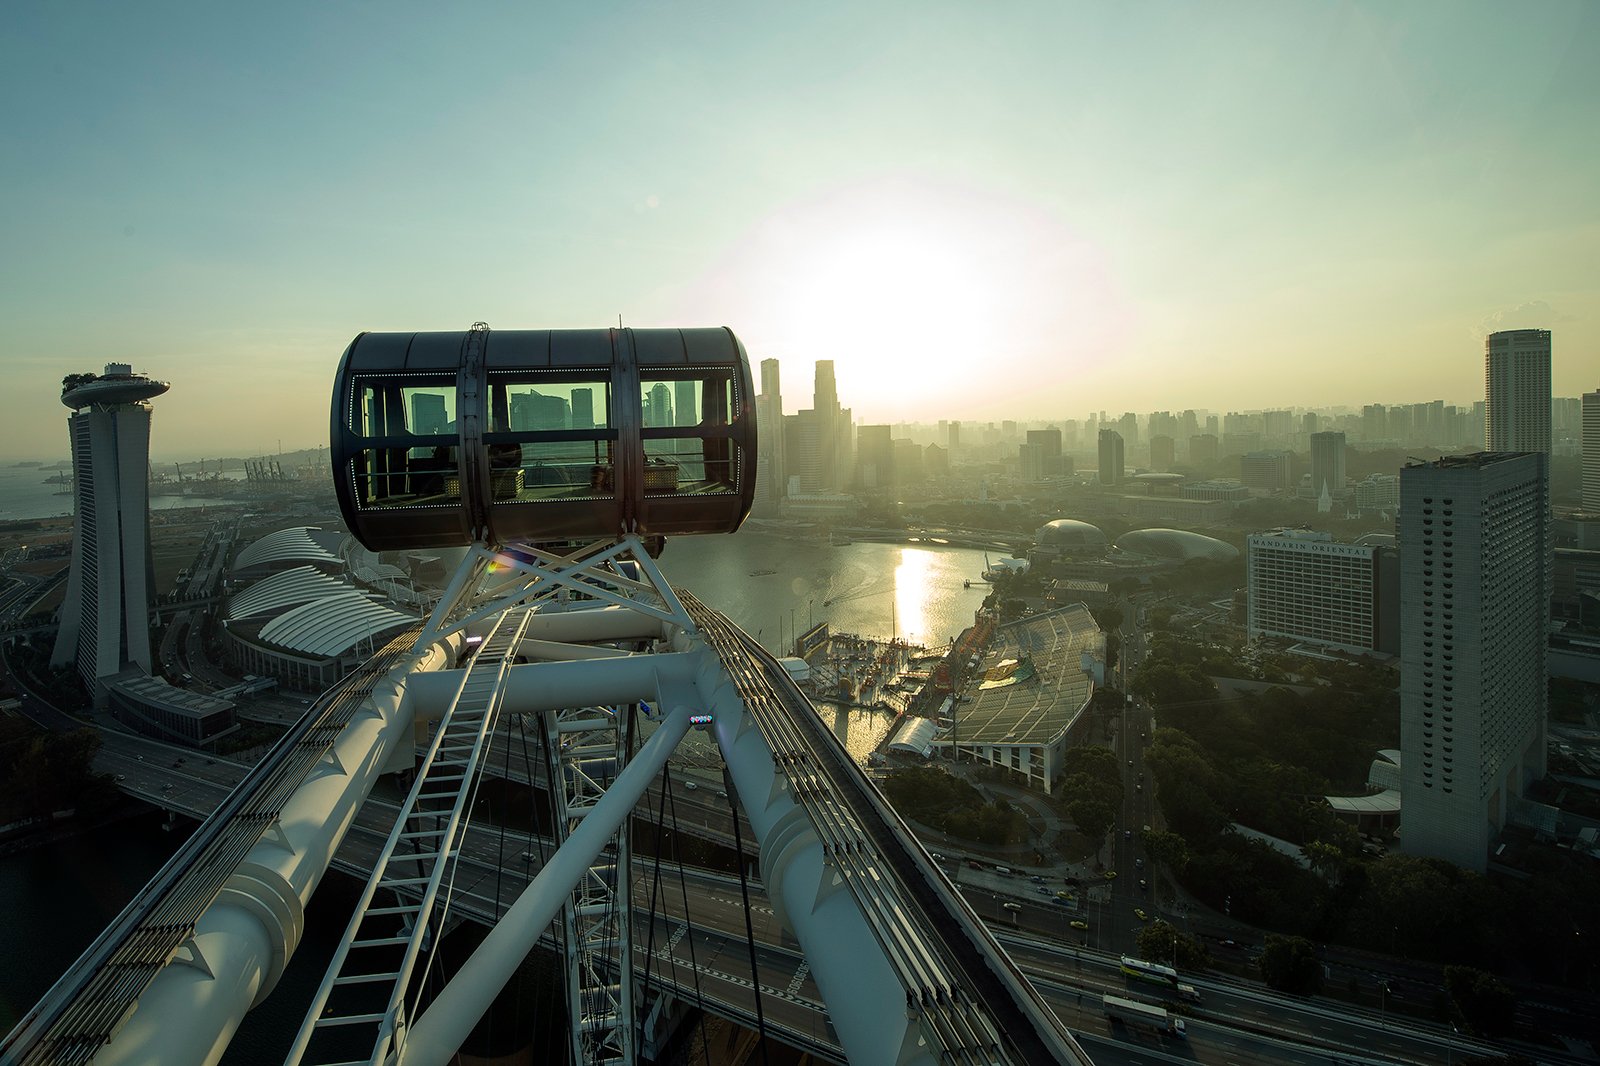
(1517,388)
(1591,452)
(1110,458)
(1163,453)
(1302,585)
(1203,448)
(105,617)
(1475,618)
(1327,464)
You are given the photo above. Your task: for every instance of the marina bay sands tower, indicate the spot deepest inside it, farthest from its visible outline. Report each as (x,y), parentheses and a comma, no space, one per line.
(105,617)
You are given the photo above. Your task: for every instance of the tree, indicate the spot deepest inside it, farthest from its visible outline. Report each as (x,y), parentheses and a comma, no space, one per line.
(1167,849)
(1160,942)
(1289,964)
(1108,618)
(1094,818)
(1164,683)
(1482,1001)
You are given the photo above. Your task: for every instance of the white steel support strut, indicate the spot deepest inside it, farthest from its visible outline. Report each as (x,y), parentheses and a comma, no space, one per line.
(590,745)
(437,1034)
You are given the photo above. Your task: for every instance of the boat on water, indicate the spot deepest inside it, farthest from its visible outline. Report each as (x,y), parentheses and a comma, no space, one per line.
(837,538)
(761,573)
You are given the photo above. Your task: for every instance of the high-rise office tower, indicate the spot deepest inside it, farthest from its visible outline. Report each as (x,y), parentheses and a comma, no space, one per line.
(1591,452)
(1327,465)
(1049,443)
(1517,388)
(1475,618)
(685,403)
(772,474)
(105,617)
(582,408)
(658,406)
(1110,458)
(833,431)
(874,458)
(1163,453)
(1128,427)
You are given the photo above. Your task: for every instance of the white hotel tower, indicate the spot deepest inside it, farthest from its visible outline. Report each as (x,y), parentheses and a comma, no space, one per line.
(1474,618)
(105,617)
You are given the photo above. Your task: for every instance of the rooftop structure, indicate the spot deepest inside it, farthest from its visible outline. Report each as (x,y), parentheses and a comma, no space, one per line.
(1035,684)
(1173,545)
(176,715)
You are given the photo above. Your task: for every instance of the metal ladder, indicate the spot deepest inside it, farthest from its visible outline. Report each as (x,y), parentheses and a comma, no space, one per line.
(361,1004)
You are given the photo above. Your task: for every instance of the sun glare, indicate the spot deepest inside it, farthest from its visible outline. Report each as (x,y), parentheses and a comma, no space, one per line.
(916,291)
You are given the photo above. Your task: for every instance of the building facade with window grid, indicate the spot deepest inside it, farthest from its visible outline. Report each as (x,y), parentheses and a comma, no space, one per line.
(1475,618)
(1304,586)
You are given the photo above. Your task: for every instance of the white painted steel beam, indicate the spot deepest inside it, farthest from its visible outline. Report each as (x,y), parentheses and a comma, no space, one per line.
(243,940)
(866,1001)
(438,1032)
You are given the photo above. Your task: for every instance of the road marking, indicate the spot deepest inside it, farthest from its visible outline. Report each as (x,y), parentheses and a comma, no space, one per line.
(799,978)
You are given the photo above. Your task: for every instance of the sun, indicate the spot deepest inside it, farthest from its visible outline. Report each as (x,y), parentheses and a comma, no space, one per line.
(902,304)
(928,297)
(893,304)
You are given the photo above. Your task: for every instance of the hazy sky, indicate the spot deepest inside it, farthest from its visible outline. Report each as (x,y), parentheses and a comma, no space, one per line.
(978,210)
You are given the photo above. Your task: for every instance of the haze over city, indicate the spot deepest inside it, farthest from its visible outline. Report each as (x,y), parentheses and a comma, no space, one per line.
(1021,212)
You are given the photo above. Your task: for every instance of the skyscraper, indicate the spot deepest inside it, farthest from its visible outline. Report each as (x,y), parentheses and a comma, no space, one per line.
(874,458)
(1327,464)
(771,470)
(1475,613)
(833,431)
(1591,452)
(1110,458)
(1163,453)
(1049,443)
(1517,387)
(105,617)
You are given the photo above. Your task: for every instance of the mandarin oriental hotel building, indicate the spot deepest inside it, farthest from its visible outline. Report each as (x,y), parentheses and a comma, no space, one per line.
(1305,586)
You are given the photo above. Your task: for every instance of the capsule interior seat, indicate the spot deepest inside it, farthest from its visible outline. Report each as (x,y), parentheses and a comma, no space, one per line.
(443,439)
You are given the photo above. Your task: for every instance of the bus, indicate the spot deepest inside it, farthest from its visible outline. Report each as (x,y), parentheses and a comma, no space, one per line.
(1164,976)
(1150,971)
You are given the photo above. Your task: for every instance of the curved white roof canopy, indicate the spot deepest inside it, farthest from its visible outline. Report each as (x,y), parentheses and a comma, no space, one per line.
(333,625)
(295,544)
(287,588)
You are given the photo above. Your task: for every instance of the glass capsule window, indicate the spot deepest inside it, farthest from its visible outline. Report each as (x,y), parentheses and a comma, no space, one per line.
(687,425)
(550,436)
(411,454)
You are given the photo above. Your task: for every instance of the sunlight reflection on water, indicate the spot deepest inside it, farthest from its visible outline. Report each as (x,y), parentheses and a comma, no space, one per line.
(773,586)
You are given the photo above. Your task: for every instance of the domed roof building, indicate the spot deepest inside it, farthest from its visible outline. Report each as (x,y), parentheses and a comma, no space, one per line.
(1172,546)
(1068,536)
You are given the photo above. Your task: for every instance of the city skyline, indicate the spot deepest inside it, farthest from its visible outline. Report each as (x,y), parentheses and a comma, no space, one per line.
(1202,209)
